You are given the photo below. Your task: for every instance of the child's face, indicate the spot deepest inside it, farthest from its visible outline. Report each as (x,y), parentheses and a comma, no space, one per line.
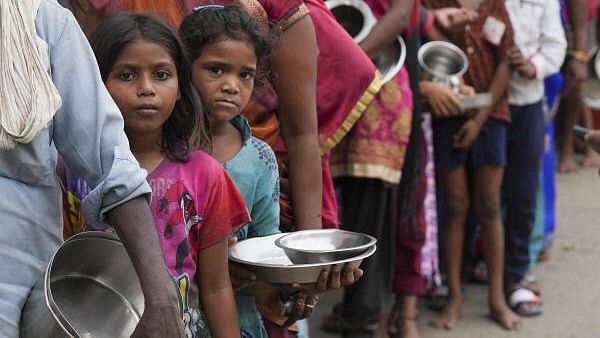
(144,84)
(224,74)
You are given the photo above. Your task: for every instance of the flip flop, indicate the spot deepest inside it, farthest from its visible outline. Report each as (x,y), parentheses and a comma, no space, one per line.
(532,283)
(525,302)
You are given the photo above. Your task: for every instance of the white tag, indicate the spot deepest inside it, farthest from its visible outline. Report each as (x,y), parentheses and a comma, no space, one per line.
(493,30)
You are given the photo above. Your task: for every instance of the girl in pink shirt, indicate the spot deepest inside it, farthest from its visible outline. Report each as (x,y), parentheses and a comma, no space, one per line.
(195,204)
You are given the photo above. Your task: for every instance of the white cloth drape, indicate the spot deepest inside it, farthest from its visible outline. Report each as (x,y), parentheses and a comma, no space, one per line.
(28,98)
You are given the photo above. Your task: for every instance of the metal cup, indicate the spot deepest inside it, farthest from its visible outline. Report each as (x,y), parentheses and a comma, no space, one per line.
(442,62)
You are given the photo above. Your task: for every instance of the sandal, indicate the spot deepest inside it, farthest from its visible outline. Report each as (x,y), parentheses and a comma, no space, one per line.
(531,282)
(525,302)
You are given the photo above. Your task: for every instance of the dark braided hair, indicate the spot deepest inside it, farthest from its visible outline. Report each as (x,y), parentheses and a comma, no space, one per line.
(187,127)
(207,25)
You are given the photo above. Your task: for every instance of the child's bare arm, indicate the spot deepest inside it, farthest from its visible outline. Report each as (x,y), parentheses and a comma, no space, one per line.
(216,293)
(497,88)
(465,137)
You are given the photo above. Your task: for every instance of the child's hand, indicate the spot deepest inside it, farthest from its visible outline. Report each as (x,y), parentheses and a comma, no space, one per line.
(333,280)
(466,90)
(454,19)
(518,62)
(443,101)
(281,308)
(300,307)
(465,137)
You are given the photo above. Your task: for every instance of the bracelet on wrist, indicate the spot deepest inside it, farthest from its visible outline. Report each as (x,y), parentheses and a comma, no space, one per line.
(579,55)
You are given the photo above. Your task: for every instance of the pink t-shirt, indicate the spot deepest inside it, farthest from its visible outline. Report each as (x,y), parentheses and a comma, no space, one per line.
(195,205)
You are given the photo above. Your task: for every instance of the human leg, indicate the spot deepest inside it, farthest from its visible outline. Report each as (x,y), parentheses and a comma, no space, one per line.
(488,180)
(409,281)
(525,142)
(456,205)
(521,180)
(403,319)
(367,207)
(569,111)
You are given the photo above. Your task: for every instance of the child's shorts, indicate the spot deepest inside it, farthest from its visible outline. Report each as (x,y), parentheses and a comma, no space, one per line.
(489,147)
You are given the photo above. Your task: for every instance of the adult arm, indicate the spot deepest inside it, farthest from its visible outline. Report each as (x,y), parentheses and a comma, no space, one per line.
(578,15)
(576,69)
(454,19)
(135,226)
(88,132)
(390,25)
(295,63)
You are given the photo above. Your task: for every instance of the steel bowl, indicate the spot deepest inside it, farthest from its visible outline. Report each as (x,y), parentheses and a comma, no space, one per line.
(442,62)
(323,246)
(354,16)
(390,60)
(270,263)
(92,288)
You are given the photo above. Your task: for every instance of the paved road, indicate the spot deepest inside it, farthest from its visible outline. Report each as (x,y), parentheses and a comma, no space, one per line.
(570,279)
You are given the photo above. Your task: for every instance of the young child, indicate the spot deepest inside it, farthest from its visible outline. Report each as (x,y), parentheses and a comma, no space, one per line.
(194,202)
(479,141)
(539,52)
(226,45)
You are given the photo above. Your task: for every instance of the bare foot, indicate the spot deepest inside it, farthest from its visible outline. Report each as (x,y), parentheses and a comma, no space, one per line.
(405,328)
(450,315)
(591,160)
(568,165)
(504,316)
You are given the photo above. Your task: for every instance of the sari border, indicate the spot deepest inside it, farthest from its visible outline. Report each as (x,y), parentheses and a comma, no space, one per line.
(299,14)
(366,170)
(358,109)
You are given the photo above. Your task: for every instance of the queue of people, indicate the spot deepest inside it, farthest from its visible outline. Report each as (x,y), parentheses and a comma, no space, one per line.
(185,126)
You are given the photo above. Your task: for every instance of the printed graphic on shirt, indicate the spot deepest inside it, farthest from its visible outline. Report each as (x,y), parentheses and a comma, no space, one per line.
(177,222)
(183,284)
(74,215)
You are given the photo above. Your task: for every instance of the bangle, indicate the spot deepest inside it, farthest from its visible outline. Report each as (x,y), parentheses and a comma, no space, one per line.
(579,55)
